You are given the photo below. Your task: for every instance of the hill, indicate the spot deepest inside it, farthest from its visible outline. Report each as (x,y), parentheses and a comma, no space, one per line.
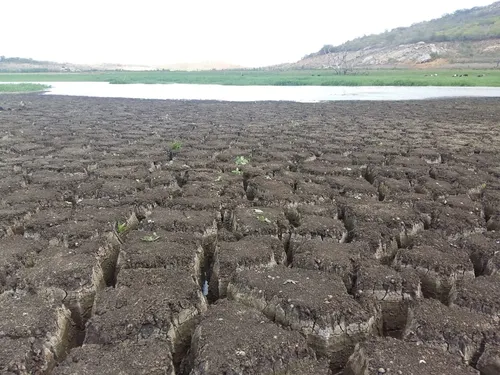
(480,23)
(470,36)
(27,65)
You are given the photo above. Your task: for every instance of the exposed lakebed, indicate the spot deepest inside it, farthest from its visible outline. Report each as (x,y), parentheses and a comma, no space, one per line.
(331,236)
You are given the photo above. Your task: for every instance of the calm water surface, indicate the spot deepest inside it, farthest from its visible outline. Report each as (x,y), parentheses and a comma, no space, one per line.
(305,94)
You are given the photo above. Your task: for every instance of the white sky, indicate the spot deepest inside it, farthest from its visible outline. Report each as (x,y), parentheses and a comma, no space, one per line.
(249,33)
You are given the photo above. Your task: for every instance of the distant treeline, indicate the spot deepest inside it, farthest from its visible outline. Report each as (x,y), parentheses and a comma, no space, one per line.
(32,70)
(19,60)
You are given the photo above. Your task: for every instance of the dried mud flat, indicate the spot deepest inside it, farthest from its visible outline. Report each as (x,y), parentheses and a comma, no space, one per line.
(361,238)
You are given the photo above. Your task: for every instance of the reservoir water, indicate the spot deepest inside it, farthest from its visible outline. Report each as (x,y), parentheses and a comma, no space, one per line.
(305,94)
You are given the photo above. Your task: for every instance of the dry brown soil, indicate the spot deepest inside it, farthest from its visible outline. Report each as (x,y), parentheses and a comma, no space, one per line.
(361,238)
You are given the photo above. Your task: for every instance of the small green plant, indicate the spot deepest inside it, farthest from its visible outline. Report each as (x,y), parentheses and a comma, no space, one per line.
(176,146)
(241,160)
(151,238)
(121,228)
(263,219)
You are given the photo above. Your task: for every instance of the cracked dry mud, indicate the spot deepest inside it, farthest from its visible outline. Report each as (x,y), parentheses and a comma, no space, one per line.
(361,238)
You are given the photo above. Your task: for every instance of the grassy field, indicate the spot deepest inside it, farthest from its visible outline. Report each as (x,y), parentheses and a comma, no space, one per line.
(276,78)
(21,87)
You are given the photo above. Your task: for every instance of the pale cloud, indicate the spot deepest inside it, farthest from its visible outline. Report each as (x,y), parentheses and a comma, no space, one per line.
(250,33)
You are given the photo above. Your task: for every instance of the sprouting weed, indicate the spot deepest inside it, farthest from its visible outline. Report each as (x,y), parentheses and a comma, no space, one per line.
(263,219)
(241,160)
(237,171)
(151,238)
(176,146)
(121,228)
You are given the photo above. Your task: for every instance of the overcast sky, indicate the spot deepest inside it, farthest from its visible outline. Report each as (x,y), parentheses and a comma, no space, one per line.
(249,33)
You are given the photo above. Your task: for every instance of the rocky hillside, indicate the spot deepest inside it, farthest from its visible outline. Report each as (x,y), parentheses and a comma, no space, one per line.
(480,54)
(470,37)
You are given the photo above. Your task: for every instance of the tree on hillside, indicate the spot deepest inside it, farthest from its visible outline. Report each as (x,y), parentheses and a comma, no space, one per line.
(339,61)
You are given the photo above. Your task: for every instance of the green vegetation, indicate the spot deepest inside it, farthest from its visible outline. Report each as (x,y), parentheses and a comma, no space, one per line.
(121,228)
(22,87)
(263,219)
(478,23)
(400,77)
(176,146)
(241,160)
(151,238)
